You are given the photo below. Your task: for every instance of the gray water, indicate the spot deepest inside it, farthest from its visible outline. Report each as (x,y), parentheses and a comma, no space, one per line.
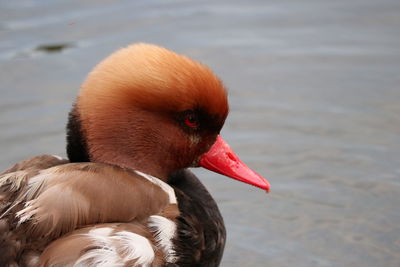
(315,107)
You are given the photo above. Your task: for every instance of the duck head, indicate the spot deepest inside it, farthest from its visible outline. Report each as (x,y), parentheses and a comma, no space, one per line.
(150,109)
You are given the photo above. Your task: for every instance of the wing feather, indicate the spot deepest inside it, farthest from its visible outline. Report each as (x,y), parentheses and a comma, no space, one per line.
(43,202)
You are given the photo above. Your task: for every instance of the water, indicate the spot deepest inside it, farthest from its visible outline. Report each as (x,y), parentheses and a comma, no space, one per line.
(315,104)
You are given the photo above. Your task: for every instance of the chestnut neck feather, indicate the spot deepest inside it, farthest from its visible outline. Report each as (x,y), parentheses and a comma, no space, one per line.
(78,150)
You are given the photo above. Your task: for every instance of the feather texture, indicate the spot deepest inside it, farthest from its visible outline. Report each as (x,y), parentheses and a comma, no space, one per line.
(42,205)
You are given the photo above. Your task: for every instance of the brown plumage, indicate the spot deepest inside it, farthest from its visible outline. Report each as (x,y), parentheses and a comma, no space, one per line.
(124,198)
(44,198)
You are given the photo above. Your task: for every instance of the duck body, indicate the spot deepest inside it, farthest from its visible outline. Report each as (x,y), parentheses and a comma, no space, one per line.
(29,234)
(125,196)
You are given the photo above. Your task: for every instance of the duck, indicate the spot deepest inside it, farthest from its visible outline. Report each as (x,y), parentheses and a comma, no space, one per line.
(125,195)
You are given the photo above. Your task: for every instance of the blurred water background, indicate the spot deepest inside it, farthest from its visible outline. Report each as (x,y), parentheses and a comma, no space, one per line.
(315,107)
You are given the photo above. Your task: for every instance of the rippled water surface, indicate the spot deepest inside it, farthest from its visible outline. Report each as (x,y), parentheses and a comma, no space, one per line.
(315,106)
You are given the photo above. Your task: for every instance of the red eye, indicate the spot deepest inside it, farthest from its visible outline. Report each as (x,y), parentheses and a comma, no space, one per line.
(191,121)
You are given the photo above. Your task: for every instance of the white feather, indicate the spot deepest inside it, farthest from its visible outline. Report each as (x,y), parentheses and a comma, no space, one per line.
(136,247)
(164,186)
(132,246)
(58,157)
(100,257)
(100,232)
(27,213)
(35,187)
(164,231)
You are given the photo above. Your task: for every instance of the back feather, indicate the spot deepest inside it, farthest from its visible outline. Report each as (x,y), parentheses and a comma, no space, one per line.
(43,202)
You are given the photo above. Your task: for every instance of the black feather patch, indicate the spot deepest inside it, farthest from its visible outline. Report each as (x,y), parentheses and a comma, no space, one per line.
(201,235)
(76,144)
